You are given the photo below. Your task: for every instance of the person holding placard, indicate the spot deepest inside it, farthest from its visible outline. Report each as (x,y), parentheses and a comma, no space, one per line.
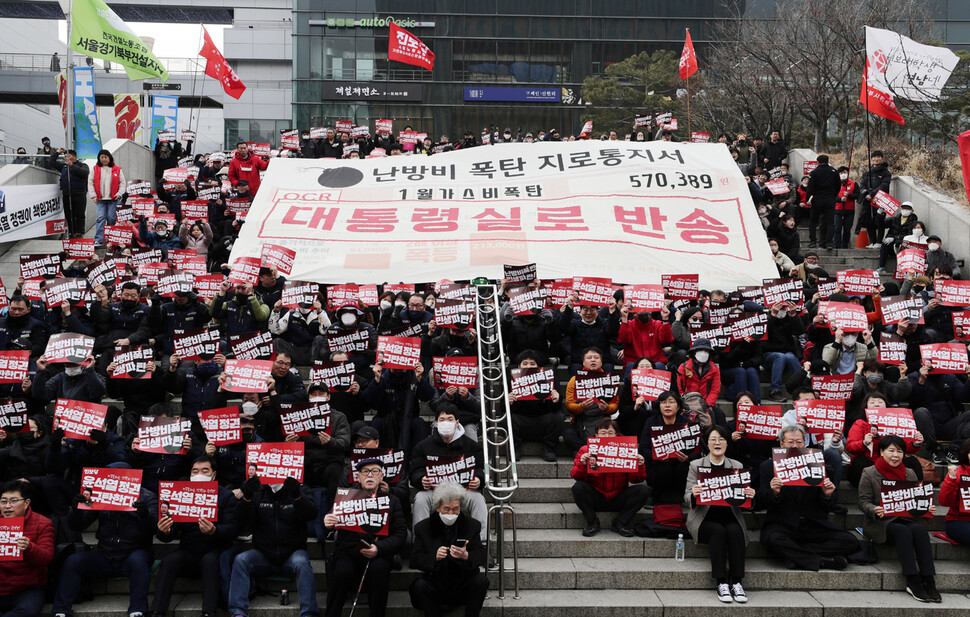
(621,492)
(863,437)
(722,528)
(941,398)
(22,581)
(955,495)
(588,412)
(910,538)
(536,419)
(666,477)
(846,354)
(899,226)
(750,451)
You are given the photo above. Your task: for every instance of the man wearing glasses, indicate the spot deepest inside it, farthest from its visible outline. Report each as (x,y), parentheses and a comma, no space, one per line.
(22,580)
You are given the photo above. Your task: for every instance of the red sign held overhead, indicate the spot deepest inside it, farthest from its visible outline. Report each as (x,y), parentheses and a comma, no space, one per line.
(279,256)
(759,421)
(644,297)
(398,351)
(68,347)
(649,383)
(858,282)
(245,270)
(945,357)
(681,286)
(845,315)
(888,203)
(952,293)
(79,248)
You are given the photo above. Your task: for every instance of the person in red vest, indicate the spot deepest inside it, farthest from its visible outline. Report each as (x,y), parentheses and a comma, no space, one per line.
(845,209)
(22,582)
(106,185)
(246,166)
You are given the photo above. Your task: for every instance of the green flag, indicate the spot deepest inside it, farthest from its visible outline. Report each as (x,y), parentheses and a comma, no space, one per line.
(97,31)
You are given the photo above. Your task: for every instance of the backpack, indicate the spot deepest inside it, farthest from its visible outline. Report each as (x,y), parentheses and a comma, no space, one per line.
(697,410)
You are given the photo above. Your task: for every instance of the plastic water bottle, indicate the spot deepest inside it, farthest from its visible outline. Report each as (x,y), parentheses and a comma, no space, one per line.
(679,550)
(284,597)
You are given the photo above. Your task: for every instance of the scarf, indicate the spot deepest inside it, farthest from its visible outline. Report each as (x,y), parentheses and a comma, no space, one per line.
(888,471)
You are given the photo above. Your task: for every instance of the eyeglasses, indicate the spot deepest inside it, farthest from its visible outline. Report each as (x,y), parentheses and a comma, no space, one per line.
(717,440)
(415,306)
(283,363)
(10,502)
(370,472)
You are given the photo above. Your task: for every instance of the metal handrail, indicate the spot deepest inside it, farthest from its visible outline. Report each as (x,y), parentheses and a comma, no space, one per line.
(501,475)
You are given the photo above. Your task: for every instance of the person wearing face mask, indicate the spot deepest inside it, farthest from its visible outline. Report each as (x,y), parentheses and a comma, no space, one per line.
(809,264)
(394,395)
(348,319)
(242,310)
(784,229)
(231,459)
(448,438)
(197,382)
(78,382)
(297,331)
(183,312)
(899,226)
(937,256)
(588,329)
(872,379)
(782,261)
(22,580)
(844,209)
(125,321)
(160,238)
(19,330)
(847,353)
(863,438)
(644,336)
(685,320)
(699,373)
(448,551)
(941,398)
(138,395)
(780,345)
(200,545)
(24,455)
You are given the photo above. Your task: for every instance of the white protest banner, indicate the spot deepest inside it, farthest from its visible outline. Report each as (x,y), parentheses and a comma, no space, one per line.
(585,209)
(30,211)
(905,68)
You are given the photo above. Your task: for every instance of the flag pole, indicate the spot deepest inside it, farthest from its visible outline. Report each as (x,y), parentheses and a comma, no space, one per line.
(688,107)
(69,129)
(195,75)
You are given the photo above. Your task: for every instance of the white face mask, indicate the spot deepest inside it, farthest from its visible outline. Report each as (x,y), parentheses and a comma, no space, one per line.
(448,519)
(782,314)
(318,399)
(446,429)
(275,487)
(905,211)
(348,319)
(200,477)
(934,247)
(774,250)
(811,266)
(917,232)
(73,371)
(385,304)
(250,408)
(844,176)
(849,340)
(702,356)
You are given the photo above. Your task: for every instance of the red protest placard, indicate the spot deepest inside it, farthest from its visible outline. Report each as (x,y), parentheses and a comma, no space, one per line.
(68,347)
(667,441)
(526,300)
(131,362)
(558,291)
(398,351)
(759,421)
(649,383)
(194,265)
(260,149)
(846,315)
(719,336)
(460,469)
(208,286)
(79,418)
(532,384)
(396,288)
(245,270)
(598,385)
(952,293)
(700,137)
(858,282)
(798,466)
(195,210)
(278,256)
(290,139)
(454,313)
(78,248)
(520,274)
(910,259)
(896,308)
(102,273)
(892,349)
(944,357)
(305,419)
(612,454)
(13,416)
(142,206)
(110,489)
(40,266)
(961,324)
(356,341)
(783,290)
(13,365)
(778,186)
(162,435)
(887,202)
(172,282)
(360,511)
(748,325)
(905,498)
(252,345)
(593,291)
(336,376)
(60,290)
(893,421)
(681,286)
(393,462)
(341,295)
(723,487)
(642,298)
(10,530)
(384,126)
(367,295)
(963,484)
(808,167)
(457,371)
(833,387)
(196,343)
(187,502)
(222,426)
(275,462)
(827,287)
(177,256)
(247,375)
(118,235)
(821,416)
(299,294)
(151,271)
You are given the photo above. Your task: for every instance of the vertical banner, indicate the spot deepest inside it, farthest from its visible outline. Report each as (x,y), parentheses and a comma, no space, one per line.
(128,117)
(87,133)
(165,112)
(61,83)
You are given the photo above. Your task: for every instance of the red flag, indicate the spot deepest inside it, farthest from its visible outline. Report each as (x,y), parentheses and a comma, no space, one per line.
(407,48)
(218,68)
(688,59)
(963,143)
(878,102)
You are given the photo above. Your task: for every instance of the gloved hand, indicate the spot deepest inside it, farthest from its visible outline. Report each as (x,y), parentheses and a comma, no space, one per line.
(78,500)
(56,438)
(249,488)
(99,437)
(292,487)
(888,240)
(141,508)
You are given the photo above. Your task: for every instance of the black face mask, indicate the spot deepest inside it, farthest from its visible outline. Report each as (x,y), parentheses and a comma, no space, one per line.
(241,298)
(27,438)
(129,305)
(644,317)
(17,322)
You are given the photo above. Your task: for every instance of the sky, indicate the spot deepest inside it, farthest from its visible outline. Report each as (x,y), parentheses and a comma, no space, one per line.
(171,40)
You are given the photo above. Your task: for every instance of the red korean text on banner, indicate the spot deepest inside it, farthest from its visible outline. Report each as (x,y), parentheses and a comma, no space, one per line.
(336,376)
(892,349)
(118,235)
(163,435)
(858,282)
(305,419)
(893,421)
(700,137)
(905,498)
(666,441)
(759,421)
(748,326)
(897,308)
(798,466)
(961,325)
(78,248)
(612,455)
(10,530)
(640,298)
(833,387)
(593,291)
(944,357)
(275,462)
(341,295)
(14,365)
(40,266)
(68,347)
(398,351)
(598,385)
(681,286)
(887,202)
(393,462)
(845,315)
(526,300)
(13,416)
(952,293)
(188,502)
(723,487)
(245,270)
(460,469)
(278,256)
(131,362)
(520,274)
(208,286)
(402,46)
(456,371)
(222,426)
(252,345)
(298,294)
(361,511)
(533,383)
(649,383)
(821,416)
(196,343)
(910,260)
(247,375)
(110,489)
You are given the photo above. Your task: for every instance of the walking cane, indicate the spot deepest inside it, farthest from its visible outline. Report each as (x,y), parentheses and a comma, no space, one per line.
(359,587)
